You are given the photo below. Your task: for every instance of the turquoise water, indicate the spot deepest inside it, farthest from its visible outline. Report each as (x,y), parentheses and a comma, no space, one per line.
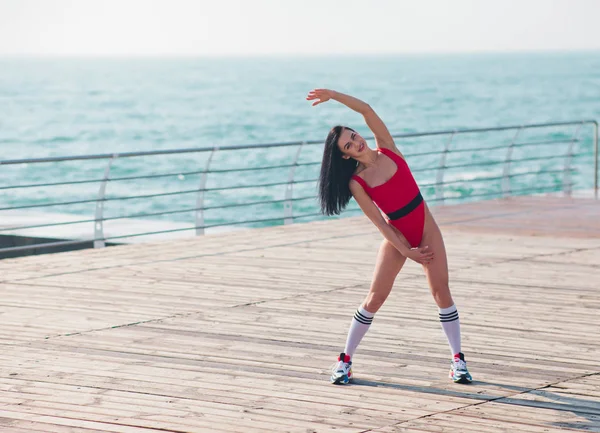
(58,107)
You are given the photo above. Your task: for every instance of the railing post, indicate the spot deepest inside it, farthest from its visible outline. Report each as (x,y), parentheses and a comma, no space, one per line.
(506,170)
(439,179)
(567,170)
(99,217)
(596,160)
(200,196)
(288,207)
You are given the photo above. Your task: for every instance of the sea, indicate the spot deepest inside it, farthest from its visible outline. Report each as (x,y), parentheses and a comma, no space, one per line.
(63,107)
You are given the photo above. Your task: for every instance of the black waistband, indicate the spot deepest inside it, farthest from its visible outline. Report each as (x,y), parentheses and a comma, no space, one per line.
(414,203)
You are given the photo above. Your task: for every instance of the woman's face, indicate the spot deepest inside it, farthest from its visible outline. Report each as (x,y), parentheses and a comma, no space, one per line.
(351,144)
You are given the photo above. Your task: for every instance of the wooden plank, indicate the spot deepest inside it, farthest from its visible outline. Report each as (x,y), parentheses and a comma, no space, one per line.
(29,426)
(238,331)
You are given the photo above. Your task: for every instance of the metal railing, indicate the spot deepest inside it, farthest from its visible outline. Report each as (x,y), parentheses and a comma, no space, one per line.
(441,169)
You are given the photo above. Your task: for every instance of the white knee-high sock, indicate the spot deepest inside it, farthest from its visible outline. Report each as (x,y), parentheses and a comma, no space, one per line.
(451,326)
(358,328)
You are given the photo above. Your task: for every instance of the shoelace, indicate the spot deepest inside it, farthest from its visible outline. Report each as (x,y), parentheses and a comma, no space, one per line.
(340,366)
(460,364)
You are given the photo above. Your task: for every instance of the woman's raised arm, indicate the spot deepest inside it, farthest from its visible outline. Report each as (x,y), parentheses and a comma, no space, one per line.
(383,138)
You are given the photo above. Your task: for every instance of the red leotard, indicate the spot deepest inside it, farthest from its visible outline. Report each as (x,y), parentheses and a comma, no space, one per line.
(400,199)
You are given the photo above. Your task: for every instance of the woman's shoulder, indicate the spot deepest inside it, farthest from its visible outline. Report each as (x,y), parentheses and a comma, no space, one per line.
(357,179)
(391,152)
(358,171)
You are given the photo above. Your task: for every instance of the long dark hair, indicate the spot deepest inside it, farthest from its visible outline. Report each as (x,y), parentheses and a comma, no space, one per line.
(334,190)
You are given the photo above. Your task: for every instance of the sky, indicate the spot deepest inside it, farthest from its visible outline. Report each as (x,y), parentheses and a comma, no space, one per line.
(273,27)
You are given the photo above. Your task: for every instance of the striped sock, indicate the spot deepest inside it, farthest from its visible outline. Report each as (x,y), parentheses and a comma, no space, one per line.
(451,326)
(358,328)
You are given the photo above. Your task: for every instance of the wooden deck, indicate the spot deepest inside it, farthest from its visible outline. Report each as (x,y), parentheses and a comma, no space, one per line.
(236,332)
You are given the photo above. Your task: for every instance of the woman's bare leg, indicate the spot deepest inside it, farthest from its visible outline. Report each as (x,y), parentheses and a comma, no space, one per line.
(437,277)
(437,270)
(388,265)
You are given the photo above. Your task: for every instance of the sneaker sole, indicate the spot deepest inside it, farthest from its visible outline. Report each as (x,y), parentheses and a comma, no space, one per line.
(462,379)
(342,380)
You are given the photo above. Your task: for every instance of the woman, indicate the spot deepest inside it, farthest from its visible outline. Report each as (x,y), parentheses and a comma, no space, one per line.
(384,188)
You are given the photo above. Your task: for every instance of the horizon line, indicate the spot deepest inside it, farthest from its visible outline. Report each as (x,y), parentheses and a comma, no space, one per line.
(298,54)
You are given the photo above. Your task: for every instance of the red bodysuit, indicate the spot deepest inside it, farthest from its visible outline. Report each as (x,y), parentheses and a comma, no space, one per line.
(400,199)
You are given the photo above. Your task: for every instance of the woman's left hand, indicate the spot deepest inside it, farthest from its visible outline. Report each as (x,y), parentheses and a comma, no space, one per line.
(323,95)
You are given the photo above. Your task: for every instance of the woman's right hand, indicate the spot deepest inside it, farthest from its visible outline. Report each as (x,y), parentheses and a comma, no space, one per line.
(420,255)
(323,95)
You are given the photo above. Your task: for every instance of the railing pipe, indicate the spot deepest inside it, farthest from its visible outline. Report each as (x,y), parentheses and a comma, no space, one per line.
(200,196)
(99,239)
(507,161)
(288,207)
(439,179)
(99,217)
(595,159)
(567,185)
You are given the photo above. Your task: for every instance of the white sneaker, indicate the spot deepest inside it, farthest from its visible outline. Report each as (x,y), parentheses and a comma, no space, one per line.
(341,372)
(458,370)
